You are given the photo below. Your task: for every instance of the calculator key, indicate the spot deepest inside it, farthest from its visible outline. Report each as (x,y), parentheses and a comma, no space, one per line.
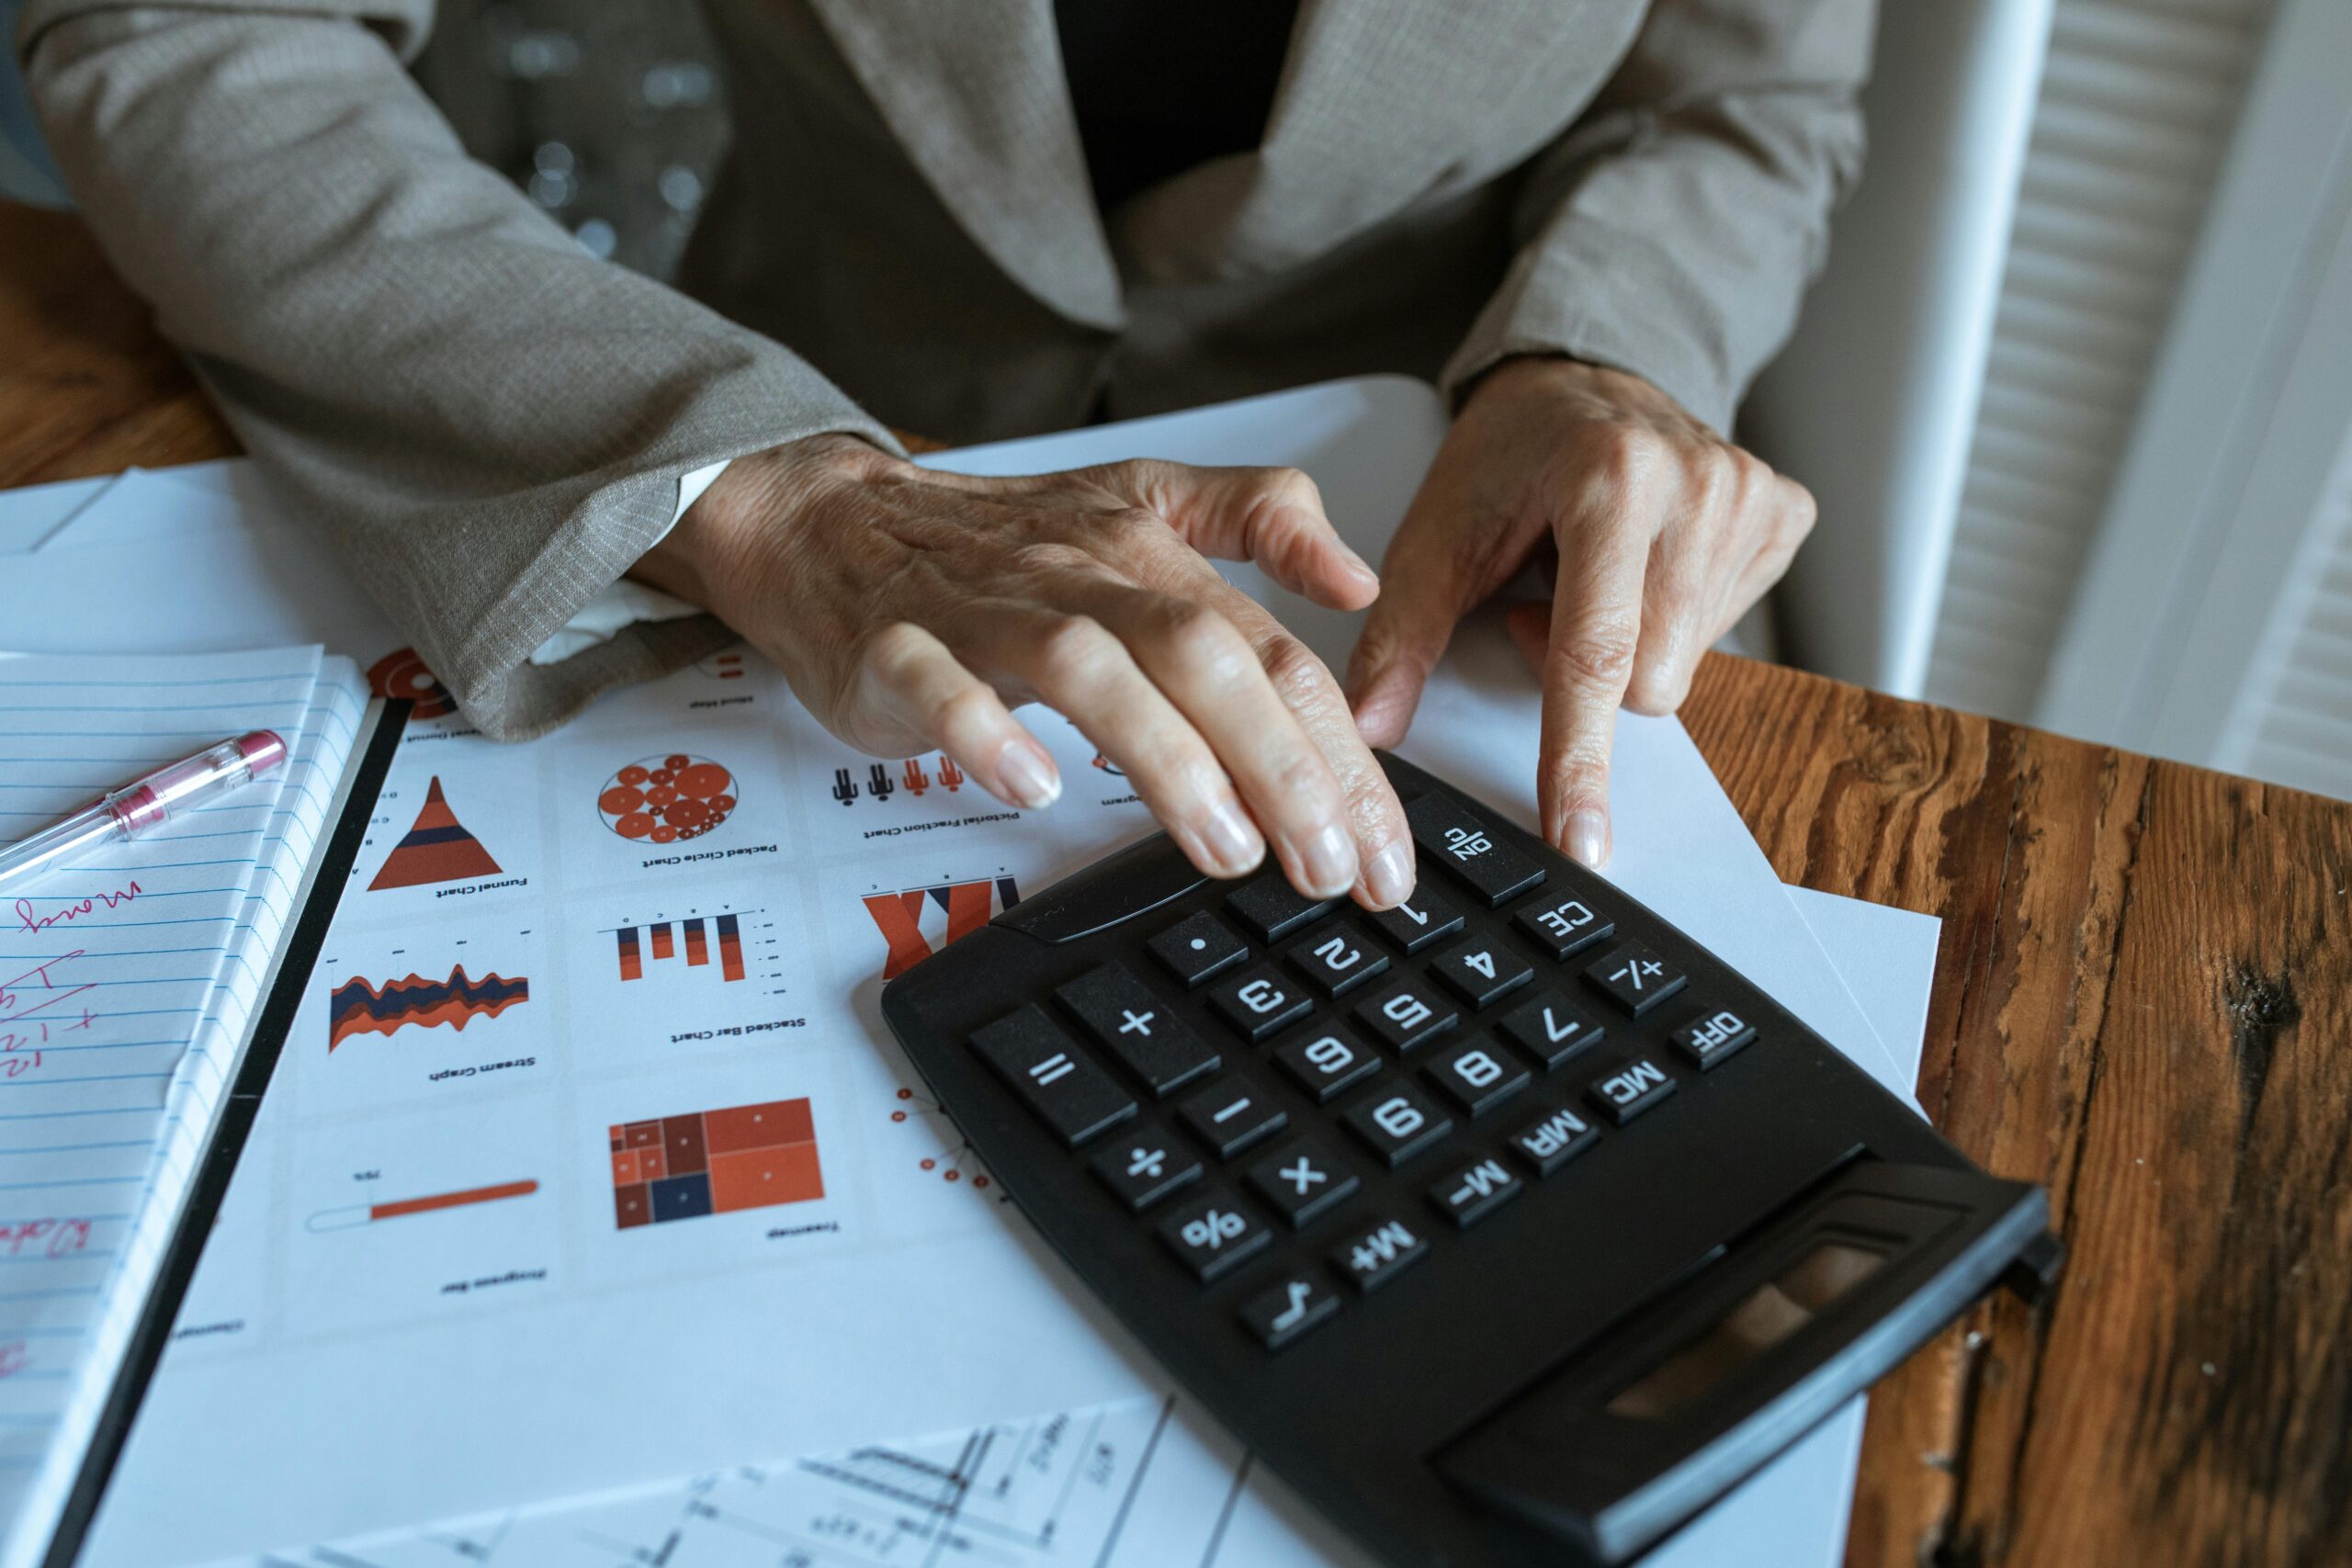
(1376,1254)
(1634,979)
(1260,1000)
(1231,1116)
(1335,960)
(1424,919)
(1197,947)
(1482,971)
(1565,924)
(1119,1009)
(1271,908)
(1212,1233)
(1631,1089)
(1045,1068)
(1406,1013)
(1553,1139)
(1707,1041)
(1474,857)
(1325,1063)
(1301,1181)
(1478,1076)
(1399,1123)
(1292,1306)
(1474,1191)
(1551,1028)
(1144,1167)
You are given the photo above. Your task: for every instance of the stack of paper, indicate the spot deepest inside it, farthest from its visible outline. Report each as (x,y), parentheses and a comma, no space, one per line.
(127,984)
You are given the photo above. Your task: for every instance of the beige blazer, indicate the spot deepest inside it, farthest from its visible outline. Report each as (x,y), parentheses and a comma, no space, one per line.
(492,424)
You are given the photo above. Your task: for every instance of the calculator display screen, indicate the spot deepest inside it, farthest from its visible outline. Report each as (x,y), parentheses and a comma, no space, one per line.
(1763,1318)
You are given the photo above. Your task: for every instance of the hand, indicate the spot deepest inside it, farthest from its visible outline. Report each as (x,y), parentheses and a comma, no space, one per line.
(912,610)
(1662,532)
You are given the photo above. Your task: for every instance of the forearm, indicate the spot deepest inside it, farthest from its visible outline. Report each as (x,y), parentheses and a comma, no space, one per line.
(1672,231)
(493,422)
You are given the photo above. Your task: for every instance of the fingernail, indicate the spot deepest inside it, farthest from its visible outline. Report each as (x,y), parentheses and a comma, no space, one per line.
(1389,877)
(1588,838)
(1030,779)
(1233,846)
(1327,862)
(1348,555)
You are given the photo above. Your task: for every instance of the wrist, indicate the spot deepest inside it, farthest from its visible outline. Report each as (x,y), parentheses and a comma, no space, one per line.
(712,558)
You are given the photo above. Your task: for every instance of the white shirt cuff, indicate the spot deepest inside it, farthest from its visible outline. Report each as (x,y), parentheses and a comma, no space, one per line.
(626,603)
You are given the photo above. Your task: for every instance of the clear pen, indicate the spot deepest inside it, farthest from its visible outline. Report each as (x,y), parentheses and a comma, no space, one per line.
(145,805)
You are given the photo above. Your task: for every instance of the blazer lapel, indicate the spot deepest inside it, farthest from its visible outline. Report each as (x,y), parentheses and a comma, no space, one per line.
(974,90)
(1379,100)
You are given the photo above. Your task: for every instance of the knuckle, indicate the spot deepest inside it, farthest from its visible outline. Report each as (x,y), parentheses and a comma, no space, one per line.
(1799,512)
(1200,639)
(964,711)
(892,652)
(1657,691)
(1297,676)
(1601,655)
(1074,653)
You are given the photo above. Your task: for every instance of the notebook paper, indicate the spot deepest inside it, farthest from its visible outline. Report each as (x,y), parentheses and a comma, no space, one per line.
(126,984)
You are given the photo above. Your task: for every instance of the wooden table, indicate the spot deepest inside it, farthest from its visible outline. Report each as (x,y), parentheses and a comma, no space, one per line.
(2141,1000)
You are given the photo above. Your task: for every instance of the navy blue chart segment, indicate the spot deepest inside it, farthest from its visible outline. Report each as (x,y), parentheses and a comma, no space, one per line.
(1451,1232)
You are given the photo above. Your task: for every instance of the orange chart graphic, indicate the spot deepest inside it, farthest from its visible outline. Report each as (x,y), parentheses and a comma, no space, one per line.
(439,848)
(664,799)
(631,947)
(916,921)
(714,1162)
(359,1008)
(361,1214)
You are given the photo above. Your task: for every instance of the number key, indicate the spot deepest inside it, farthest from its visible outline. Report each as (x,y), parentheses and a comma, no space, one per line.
(1478,1076)
(1406,1013)
(1334,961)
(1417,921)
(1399,1123)
(1482,971)
(1260,1000)
(1326,1064)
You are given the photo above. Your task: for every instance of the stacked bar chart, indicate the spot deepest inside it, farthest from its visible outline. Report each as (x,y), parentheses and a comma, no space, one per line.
(658,942)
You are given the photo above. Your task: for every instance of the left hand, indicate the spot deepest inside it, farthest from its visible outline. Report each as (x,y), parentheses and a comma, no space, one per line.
(1663,531)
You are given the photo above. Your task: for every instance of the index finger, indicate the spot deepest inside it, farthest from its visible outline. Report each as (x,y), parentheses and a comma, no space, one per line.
(1383,850)
(1596,631)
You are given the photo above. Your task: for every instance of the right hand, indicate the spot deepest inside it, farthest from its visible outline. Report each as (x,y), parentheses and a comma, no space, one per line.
(912,611)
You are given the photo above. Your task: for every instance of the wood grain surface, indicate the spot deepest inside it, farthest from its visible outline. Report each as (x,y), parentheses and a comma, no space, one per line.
(2141,1000)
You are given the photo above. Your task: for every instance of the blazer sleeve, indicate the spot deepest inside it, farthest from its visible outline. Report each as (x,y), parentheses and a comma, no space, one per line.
(1672,230)
(490,422)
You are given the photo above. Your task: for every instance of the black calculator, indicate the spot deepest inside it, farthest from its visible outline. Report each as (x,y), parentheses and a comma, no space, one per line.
(1509,1226)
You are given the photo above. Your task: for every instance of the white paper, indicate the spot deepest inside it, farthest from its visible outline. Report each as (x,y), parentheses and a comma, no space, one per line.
(1145,1483)
(126,982)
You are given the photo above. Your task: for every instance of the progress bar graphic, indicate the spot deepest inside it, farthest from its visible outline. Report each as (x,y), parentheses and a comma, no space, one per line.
(363,1213)
(661,941)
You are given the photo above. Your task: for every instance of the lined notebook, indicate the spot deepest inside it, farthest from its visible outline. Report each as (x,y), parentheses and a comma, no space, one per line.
(129,987)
